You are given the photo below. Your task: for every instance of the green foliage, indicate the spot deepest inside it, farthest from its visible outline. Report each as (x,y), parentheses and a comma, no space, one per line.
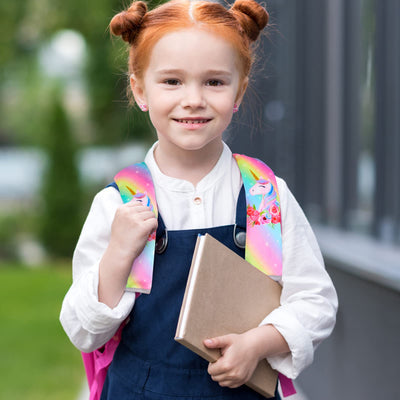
(61,219)
(37,362)
(107,78)
(28,106)
(8,231)
(24,106)
(25,27)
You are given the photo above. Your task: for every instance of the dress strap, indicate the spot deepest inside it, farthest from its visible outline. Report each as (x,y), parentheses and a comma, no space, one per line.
(161,236)
(241,209)
(239,230)
(113,184)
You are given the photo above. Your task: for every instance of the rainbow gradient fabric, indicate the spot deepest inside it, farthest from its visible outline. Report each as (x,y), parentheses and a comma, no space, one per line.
(263,235)
(135,184)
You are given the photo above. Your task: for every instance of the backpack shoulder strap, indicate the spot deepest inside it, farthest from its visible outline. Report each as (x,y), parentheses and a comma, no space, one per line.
(263,234)
(263,238)
(136,184)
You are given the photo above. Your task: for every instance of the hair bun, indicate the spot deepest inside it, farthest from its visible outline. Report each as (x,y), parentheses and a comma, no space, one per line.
(127,23)
(252,17)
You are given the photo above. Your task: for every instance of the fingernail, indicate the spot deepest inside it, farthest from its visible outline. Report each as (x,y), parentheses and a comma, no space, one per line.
(208,342)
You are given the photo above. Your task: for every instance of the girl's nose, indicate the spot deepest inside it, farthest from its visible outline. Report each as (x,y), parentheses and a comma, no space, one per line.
(193,97)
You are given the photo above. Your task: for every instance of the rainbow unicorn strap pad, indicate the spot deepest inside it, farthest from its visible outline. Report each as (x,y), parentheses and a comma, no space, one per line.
(263,235)
(135,184)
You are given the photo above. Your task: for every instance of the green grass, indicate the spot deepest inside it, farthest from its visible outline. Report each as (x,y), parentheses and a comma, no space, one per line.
(37,360)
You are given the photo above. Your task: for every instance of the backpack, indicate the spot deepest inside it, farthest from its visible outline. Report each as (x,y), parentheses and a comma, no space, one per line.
(263,224)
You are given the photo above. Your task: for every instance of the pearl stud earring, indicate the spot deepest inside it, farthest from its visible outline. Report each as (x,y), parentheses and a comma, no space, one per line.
(143,107)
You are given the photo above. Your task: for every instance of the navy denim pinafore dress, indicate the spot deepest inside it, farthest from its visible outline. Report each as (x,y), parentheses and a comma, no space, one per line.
(148,363)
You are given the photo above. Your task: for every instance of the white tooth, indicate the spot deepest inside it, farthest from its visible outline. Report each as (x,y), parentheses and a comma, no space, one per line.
(187,121)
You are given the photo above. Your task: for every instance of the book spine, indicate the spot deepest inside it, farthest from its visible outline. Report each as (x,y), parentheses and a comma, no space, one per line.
(187,298)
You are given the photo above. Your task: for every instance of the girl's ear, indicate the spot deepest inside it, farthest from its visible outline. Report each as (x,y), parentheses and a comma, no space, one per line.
(137,90)
(241,91)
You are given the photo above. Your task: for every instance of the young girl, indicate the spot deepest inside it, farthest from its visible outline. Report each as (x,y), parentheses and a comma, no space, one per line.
(189,67)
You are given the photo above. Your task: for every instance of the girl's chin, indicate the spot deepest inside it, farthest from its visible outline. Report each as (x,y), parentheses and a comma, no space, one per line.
(194,144)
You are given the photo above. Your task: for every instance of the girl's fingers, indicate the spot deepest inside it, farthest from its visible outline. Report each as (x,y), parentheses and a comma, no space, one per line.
(152,225)
(226,381)
(137,205)
(133,208)
(228,384)
(212,369)
(134,203)
(143,211)
(147,215)
(217,371)
(218,377)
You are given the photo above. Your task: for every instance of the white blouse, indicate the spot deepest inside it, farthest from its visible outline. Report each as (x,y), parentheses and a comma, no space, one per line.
(308,302)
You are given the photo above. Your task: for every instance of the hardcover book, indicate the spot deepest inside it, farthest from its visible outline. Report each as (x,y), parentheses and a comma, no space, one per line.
(225,294)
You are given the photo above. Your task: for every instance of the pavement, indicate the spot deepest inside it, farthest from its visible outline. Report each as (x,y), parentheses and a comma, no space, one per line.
(84,392)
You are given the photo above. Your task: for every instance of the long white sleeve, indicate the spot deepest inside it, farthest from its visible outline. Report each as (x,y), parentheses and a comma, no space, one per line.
(309,302)
(88,323)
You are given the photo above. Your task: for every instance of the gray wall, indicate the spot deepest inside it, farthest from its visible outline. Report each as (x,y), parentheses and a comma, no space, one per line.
(360,360)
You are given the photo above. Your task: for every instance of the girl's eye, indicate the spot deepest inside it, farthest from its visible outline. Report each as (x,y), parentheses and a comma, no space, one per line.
(214,82)
(172,82)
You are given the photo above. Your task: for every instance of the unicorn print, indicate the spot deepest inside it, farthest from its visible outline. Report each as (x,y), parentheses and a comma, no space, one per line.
(264,188)
(141,198)
(268,210)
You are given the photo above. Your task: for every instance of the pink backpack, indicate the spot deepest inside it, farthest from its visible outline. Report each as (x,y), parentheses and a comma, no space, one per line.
(97,362)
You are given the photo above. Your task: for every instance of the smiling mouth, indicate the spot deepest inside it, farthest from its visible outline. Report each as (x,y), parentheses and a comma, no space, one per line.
(192,121)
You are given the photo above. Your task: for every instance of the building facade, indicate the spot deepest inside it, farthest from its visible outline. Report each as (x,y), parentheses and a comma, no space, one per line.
(326,118)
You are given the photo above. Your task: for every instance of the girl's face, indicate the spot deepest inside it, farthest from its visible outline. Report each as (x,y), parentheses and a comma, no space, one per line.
(190,87)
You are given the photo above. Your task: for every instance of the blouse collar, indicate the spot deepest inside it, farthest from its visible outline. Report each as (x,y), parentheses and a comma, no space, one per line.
(220,170)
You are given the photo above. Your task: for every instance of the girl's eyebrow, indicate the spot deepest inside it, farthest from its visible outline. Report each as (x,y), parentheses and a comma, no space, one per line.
(214,72)
(168,71)
(219,72)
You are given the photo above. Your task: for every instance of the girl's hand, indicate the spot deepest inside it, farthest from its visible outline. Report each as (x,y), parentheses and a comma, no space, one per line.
(240,354)
(132,225)
(237,362)
(130,230)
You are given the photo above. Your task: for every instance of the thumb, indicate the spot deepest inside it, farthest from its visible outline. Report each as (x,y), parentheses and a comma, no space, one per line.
(218,342)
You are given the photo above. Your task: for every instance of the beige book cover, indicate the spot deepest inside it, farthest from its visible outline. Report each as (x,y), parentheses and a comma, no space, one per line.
(225,294)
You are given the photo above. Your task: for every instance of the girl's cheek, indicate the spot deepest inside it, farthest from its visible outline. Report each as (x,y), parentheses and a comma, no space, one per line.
(168,96)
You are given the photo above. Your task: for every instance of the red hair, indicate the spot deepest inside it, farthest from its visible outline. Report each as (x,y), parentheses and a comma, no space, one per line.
(240,25)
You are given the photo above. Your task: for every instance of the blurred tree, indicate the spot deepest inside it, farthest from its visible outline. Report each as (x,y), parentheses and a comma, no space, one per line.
(61,222)
(9,13)
(94,99)
(8,233)
(25,26)
(108,81)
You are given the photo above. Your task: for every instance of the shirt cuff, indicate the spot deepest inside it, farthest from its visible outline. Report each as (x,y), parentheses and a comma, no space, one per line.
(300,344)
(97,317)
